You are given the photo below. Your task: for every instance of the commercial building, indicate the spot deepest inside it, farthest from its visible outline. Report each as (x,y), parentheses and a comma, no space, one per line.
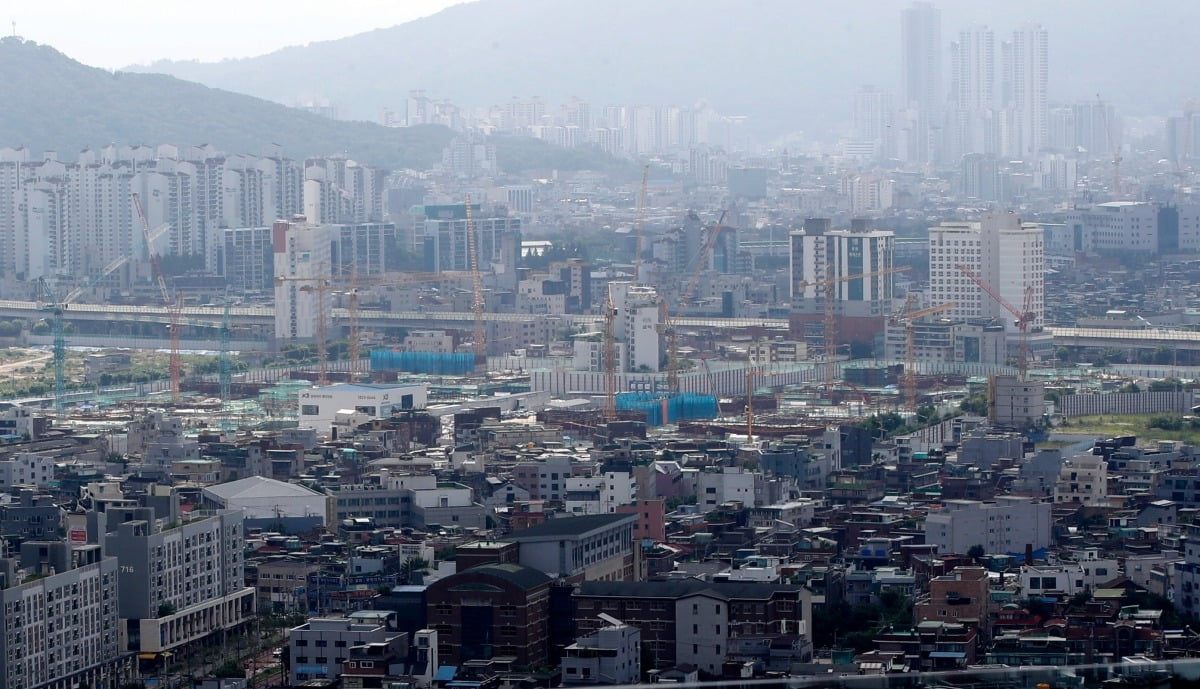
(921,79)
(320,406)
(491,610)
(819,255)
(1133,226)
(262,500)
(597,547)
(1004,252)
(1009,524)
(440,237)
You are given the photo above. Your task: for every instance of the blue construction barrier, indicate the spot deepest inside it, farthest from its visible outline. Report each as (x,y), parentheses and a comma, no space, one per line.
(422,362)
(682,407)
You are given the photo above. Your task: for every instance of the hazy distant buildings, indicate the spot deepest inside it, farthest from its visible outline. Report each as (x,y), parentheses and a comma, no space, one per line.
(921,75)
(874,114)
(1026,68)
(971,126)
(76,218)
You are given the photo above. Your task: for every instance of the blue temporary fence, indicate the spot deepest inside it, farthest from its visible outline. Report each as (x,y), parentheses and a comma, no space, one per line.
(682,407)
(422,362)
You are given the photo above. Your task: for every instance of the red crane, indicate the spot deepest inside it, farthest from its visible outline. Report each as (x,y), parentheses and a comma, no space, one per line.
(1023,315)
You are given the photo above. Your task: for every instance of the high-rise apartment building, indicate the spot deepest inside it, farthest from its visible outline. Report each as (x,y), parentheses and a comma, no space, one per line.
(440,237)
(637,327)
(1004,252)
(60,618)
(874,114)
(921,74)
(819,253)
(1026,72)
(971,127)
(76,218)
(179,583)
(302,264)
(248,260)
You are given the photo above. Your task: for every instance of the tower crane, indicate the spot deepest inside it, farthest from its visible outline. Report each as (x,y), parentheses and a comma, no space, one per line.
(641,225)
(320,286)
(610,359)
(55,307)
(173,303)
(478,344)
(1023,315)
(685,298)
(1115,144)
(828,289)
(909,318)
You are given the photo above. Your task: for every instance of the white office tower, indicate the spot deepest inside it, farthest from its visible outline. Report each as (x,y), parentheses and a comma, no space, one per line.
(1026,65)
(637,324)
(819,253)
(302,265)
(921,67)
(1006,253)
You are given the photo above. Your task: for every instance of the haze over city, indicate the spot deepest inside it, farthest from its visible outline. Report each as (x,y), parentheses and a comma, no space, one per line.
(539,343)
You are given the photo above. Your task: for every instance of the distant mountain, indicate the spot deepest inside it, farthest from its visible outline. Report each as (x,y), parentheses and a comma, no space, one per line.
(54,103)
(791,65)
(51,102)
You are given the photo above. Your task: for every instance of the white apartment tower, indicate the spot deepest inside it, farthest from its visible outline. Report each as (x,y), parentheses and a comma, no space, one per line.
(973,75)
(1006,253)
(637,324)
(1026,71)
(302,265)
(874,118)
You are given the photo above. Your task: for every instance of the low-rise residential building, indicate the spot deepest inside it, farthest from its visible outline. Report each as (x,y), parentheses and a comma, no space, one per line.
(320,647)
(609,656)
(706,624)
(1009,524)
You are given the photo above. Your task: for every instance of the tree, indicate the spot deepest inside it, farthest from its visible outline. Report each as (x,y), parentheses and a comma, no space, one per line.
(229,669)
(1166,385)
(975,552)
(975,404)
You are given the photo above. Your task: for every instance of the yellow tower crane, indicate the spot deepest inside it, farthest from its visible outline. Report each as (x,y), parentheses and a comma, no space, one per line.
(909,317)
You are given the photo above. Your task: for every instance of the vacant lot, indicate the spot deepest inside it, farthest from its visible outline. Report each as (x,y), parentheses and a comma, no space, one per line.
(1136,424)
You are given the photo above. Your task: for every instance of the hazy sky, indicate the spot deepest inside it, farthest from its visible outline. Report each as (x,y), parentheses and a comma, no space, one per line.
(117,34)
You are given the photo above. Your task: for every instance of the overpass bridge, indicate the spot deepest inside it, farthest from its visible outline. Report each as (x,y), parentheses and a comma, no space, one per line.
(257,323)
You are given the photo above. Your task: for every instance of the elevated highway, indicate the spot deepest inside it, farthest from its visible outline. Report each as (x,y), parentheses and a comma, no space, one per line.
(260,320)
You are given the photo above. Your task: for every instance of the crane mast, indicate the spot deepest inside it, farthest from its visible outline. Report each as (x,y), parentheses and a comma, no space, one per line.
(1022,316)
(172,303)
(478,344)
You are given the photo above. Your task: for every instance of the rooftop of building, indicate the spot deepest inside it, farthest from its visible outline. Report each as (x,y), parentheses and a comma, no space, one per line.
(572,526)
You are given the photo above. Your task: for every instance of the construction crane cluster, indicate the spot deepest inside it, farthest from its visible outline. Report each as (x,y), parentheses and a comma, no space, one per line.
(1023,316)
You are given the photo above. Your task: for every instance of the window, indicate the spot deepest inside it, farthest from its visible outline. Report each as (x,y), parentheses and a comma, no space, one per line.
(309,410)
